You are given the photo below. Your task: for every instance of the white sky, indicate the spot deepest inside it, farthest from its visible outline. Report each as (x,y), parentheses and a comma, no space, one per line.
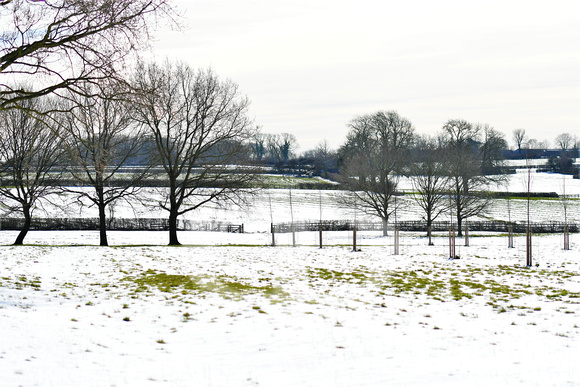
(310,66)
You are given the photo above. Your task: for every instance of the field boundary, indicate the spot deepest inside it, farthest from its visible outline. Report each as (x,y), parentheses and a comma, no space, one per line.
(419,225)
(119,224)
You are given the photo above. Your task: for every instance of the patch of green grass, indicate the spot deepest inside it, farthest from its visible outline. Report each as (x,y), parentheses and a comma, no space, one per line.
(333,275)
(468,282)
(21,282)
(228,287)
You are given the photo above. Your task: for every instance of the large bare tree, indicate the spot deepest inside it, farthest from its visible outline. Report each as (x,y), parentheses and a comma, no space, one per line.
(30,154)
(56,44)
(466,161)
(102,142)
(201,128)
(430,181)
(375,155)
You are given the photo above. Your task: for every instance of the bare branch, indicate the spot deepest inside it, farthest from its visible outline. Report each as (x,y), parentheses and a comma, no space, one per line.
(200,127)
(58,44)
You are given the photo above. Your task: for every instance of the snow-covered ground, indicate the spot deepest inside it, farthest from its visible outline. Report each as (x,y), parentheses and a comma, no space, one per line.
(228,310)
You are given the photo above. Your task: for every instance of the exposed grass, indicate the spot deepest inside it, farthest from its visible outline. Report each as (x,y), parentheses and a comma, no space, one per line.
(333,275)
(228,287)
(20,282)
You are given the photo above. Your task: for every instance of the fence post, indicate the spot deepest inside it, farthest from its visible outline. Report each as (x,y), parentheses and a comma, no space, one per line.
(451,242)
(272,232)
(529,246)
(396,237)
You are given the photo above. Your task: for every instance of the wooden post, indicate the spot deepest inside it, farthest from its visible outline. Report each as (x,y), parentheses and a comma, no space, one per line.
(466,234)
(396,238)
(354,238)
(429,232)
(451,242)
(272,232)
(320,233)
(529,246)
(566,237)
(529,227)
(510,236)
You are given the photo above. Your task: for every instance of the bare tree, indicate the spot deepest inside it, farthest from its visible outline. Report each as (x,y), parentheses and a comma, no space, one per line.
(324,158)
(520,137)
(30,151)
(467,181)
(272,147)
(288,145)
(532,143)
(259,146)
(199,124)
(374,157)
(102,141)
(491,149)
(565,141)
(280,146)
(429,180)
(56,44)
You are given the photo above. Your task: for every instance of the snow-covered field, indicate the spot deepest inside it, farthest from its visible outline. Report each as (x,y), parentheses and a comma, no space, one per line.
(228,310)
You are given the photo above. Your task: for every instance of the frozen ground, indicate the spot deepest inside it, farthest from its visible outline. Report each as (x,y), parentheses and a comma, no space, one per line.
(224,312)
(227,310)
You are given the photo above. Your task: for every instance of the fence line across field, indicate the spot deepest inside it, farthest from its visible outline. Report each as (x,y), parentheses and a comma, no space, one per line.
(421,226)
(162,224)
(119,224)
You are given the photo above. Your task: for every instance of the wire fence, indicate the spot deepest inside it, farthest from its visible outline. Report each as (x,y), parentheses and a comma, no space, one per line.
(162,224)
(418,225)
(119,224)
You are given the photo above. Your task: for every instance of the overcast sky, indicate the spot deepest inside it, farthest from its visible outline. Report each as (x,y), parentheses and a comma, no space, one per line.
(310,66)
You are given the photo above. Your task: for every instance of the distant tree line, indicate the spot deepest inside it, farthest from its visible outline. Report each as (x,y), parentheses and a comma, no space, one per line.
(449,171)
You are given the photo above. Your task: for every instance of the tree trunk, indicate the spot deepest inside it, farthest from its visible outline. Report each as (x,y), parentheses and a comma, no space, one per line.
(385,224)
(429,223)
(429,234)
(26,227)
(173,241)
(102,226)
(459,221)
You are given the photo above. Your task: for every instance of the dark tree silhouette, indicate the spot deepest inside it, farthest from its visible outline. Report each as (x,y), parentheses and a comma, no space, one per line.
(429,178)
(102,140)
(30,149)
(375,155)
(201,129)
